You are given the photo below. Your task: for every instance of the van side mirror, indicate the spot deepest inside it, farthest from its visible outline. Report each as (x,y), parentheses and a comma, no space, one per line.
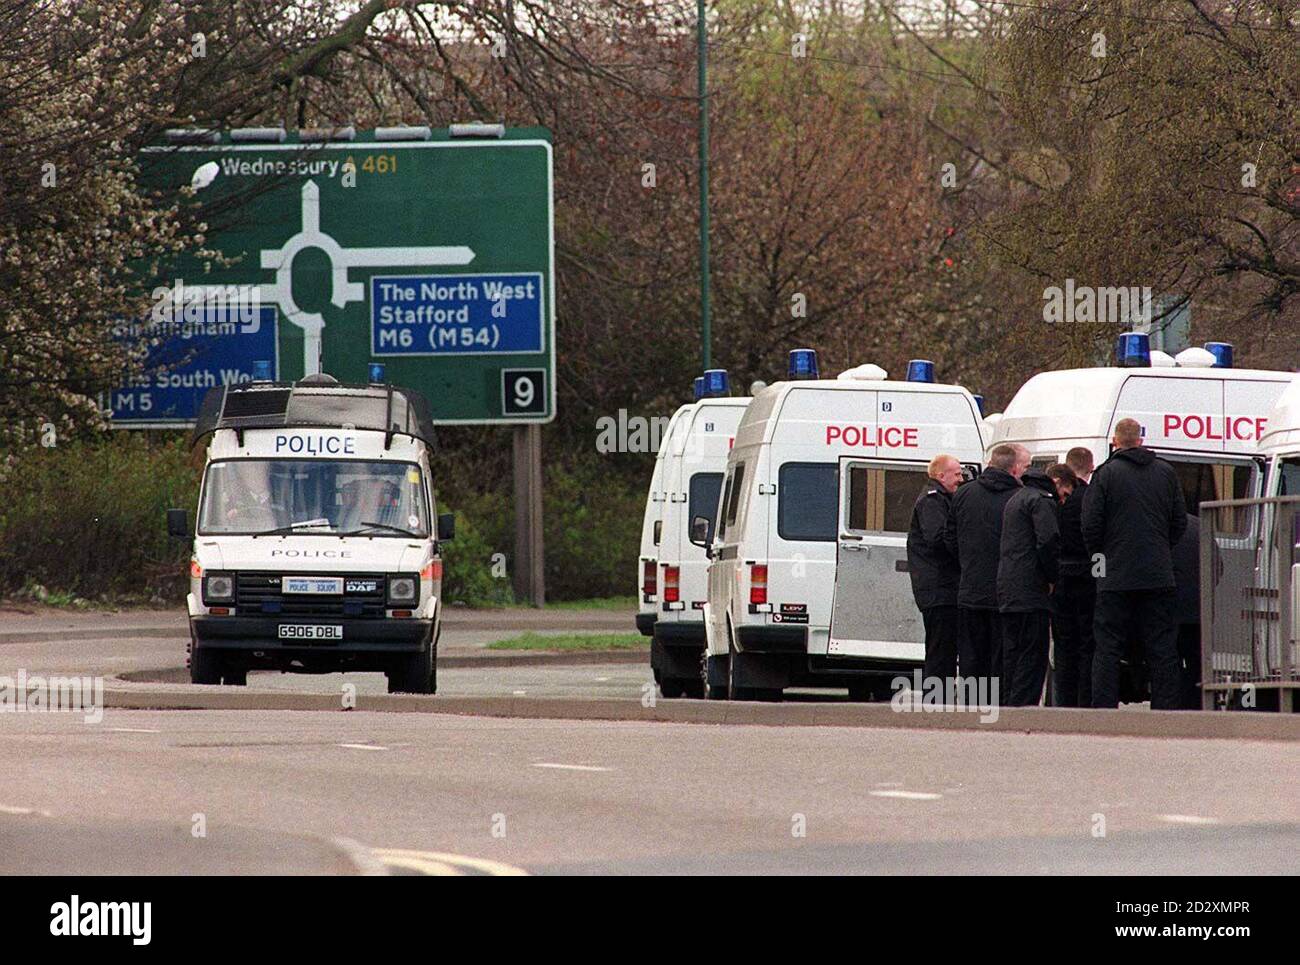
(446,527)
(700,530)
(178,524)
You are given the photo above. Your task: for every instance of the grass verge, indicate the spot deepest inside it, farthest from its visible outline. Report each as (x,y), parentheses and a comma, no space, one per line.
(573,641)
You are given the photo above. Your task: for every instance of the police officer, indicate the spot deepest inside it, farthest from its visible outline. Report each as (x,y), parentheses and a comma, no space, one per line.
(1187,590)
(974,536)
(1133,514)
(1027,568)
(1075,595)
(933,568)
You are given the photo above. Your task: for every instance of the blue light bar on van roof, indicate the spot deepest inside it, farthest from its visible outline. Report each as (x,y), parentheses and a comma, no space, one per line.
(979,401)
(1222,352)
(1133,350)
(803,364)
(262,370)
(377,373)
(716,383)
(698,387)
(920,370)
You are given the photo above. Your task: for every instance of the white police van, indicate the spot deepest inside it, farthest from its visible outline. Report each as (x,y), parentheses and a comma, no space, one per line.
(1196,411)
(315,547)
(652,526)
(692,483)
(808,583)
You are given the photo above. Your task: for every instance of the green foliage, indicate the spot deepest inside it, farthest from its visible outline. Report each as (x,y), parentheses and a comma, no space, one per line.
(592,529)
(88,519)
(468,568)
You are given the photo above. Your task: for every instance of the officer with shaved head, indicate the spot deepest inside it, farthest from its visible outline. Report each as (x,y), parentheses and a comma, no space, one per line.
(934,569)
(1133,514)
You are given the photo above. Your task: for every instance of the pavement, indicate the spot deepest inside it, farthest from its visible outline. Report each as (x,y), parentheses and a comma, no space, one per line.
(439,794)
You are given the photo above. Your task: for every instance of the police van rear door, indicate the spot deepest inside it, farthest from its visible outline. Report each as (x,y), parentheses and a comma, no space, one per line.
(873,614)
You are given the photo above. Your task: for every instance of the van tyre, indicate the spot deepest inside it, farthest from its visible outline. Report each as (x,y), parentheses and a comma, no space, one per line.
(710,691)
(234,677)
(671,688)
(737,692)
(205,666)
(415,674)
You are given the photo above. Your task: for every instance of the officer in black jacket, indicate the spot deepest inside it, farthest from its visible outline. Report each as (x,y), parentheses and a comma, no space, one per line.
(934,569)
(1027,569)
(974,536)
(1133,514)
(1075,595)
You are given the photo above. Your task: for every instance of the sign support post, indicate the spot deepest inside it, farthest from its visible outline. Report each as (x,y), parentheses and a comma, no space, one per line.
(529,573)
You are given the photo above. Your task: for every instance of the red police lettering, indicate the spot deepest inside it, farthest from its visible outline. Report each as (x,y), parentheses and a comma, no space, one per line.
(889,437)
(1203,427)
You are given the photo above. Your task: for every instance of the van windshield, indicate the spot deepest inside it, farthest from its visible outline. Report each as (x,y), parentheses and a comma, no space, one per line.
(313,497)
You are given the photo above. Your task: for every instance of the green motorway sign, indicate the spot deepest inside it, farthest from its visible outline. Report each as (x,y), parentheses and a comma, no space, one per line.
(432,256)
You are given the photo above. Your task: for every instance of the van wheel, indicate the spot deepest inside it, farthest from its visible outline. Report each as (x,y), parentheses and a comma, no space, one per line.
(670,688)
(233,677)
(709,691)
(416,674)
(205,666)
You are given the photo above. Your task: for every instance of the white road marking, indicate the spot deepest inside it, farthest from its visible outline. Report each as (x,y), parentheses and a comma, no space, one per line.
(572,767)
(1186,819)
(10,809)
(441,864)
(908,795)
(364,747)
(134,730)
(518,693)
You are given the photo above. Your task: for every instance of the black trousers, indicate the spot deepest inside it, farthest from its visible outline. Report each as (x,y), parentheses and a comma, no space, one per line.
(940,641)
(1189,654)
(1150,615)
(979,644)
(1073,602)
(1025,636)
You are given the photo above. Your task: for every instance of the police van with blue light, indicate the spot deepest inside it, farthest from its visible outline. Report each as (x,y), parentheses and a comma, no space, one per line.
(696,451)
(808,584)
(317,544)
(1197,411)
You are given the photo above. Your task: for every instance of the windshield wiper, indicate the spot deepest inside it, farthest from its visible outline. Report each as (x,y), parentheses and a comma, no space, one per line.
(365,526)
(292,527)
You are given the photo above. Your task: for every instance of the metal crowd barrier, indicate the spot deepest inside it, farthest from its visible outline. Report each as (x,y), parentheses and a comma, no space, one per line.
(1250,572)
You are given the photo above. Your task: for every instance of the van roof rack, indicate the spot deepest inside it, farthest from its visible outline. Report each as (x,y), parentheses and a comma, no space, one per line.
(315,405)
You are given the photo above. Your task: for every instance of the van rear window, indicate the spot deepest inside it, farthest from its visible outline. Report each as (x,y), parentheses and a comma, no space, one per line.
(881,498)
(808,495)
(1205,482)
(704,490)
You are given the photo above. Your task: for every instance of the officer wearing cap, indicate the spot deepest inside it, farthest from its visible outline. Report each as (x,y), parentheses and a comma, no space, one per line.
(934,569)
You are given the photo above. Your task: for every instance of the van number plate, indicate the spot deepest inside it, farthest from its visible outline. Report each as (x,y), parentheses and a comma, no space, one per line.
(310,631)
(311,584)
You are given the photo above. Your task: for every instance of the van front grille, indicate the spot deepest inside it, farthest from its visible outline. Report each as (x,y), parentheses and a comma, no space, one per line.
(261,593)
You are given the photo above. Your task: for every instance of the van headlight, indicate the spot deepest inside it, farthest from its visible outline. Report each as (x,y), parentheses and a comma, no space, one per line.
(219,588)
(404,588)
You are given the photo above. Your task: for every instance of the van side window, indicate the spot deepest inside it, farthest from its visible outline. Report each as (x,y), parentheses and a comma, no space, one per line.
(808,495)
(1289,478)
(881,498)
(737,486)
(1042,462)
(703,499)
(721,522)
